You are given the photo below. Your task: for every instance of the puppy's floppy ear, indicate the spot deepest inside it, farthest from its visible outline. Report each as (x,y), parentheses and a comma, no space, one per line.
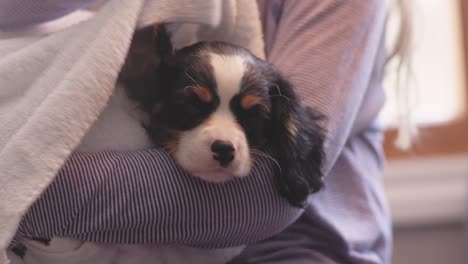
(145,75)
(297,142)
(150,48)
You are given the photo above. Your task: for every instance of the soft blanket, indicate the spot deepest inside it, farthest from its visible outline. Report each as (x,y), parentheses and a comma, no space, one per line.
(53,87)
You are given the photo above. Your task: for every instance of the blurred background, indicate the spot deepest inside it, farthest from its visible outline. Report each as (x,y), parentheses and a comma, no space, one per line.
(427,185)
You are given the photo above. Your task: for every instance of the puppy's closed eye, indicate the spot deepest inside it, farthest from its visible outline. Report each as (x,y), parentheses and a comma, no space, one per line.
(249,101)
(203,93)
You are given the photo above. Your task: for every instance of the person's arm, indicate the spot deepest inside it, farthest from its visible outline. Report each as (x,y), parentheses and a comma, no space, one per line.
(145,197)
(332,50)
(329,48)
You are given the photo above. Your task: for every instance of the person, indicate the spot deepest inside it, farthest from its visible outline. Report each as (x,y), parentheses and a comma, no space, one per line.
(334,52)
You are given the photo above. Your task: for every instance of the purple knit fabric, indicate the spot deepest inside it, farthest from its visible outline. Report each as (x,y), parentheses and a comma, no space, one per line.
(145,197)
(333,52)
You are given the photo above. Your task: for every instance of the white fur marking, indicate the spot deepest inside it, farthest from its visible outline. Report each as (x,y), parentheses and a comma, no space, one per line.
(228,72)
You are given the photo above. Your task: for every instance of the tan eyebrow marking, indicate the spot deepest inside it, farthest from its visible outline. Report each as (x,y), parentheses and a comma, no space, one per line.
(203,93)
(250,101)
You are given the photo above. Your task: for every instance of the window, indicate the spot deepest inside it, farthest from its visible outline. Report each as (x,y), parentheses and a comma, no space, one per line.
(434,171)
(439,55)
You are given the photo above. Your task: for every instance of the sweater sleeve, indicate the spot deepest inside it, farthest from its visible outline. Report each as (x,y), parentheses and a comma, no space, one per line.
(145,197)
(333,51)
(329,48)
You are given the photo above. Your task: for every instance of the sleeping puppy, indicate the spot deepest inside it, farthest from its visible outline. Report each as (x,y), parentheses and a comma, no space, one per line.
(215,107)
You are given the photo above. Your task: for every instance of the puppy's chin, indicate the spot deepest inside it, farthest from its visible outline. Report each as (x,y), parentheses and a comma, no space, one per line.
(217,174)
(208,170)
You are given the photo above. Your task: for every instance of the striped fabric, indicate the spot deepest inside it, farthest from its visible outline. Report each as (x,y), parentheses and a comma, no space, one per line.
(87,201)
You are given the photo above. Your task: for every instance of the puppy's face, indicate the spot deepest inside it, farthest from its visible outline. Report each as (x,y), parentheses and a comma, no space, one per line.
(212,105)
(215,111)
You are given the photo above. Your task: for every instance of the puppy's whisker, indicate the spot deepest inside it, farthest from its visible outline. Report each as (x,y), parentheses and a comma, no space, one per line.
(255,93)
(188,87)
(279,92)
(262,154)
(253,160)
(277,88)
(280,95)
(190,77)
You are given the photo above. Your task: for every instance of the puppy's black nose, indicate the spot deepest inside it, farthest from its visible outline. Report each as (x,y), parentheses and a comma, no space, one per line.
(223,152)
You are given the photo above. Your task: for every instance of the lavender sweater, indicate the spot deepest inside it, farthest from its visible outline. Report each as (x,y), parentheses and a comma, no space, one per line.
(333,52)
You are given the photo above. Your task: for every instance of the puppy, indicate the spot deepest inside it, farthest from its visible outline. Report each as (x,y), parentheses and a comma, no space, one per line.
(215,107)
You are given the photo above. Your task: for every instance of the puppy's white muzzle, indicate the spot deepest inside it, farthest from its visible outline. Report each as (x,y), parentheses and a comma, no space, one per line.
(216,150)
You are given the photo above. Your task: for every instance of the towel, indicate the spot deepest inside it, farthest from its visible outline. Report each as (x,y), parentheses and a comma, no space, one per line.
(53,87)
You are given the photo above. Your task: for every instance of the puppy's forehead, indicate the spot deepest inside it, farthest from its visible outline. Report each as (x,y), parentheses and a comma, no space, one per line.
(228,71)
